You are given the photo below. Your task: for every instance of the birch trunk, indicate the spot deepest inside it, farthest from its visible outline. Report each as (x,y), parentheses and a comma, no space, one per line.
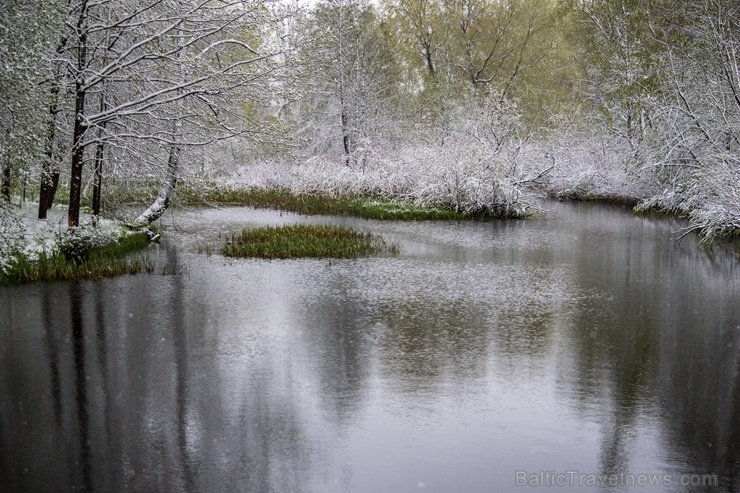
(162,202)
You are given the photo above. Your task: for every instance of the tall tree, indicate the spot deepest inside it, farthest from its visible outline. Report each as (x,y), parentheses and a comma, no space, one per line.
(351,79)
(166,65)
(24,29)
(513,48)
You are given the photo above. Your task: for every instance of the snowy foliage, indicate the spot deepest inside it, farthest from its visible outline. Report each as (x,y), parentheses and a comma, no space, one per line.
(452,175)
(586,165)
(76,244)
(11,234)
(25,28)
(470,165)
(21,234)
(709,197)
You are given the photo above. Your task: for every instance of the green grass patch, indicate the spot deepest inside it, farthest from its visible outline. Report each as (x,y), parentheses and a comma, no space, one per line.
(304,240)
(106,261)
(317,203)
(581,195)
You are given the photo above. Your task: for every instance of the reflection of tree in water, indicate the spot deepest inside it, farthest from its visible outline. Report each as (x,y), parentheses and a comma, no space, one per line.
(642,345)
(427,340)
(525,312)
(423,325)
(519,335)
(337,328)
(142,405)
(617,341)
(343,362)
(215,428)
(700,394)
(524,319)
(625,354)
(423,336)
(35,361)
(84,464)
(51,347)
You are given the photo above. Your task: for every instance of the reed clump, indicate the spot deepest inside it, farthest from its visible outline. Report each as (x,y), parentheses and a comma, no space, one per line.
(305,240)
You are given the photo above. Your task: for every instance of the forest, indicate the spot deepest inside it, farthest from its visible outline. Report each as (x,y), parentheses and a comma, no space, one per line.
(476,106)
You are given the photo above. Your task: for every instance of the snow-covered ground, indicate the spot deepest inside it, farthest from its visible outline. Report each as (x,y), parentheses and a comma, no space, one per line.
(20,230)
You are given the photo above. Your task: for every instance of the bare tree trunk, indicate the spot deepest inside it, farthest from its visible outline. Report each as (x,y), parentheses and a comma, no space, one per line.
(78,155)
(80,125)
(49,182)
(345,137)
(99,152)
(162,202)
(428,58)
(49,176)
(97,180)
(6,183)
(342,88)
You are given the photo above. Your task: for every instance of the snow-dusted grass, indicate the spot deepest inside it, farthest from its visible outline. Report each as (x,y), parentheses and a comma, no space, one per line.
(48,250)
(318,203)
(101,261)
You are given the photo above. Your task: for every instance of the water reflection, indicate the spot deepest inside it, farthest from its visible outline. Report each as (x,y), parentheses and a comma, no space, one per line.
(587,341)
(51,346)
(83,464)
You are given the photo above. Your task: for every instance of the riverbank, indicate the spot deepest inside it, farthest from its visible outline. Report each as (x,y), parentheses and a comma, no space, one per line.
(710,224)
(708,197)
(398,188)
(46,250)
(366,207)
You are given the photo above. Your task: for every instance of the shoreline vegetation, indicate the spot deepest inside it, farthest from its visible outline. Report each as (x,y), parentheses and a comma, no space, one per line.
(319,203)
(86,253)
(309,191)
(387,190)
(632,108)
(33,250)
(80,255)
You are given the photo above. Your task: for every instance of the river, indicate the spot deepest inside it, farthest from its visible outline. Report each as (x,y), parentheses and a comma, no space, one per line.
(585,350)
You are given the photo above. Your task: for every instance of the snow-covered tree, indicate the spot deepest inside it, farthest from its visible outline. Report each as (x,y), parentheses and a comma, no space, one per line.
(25,27)
(151,79)
(349,91)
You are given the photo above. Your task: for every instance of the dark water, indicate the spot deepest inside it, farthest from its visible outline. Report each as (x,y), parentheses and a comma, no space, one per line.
(486,356)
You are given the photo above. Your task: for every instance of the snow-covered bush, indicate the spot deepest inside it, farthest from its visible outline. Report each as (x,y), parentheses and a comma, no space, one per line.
(591,165)
(708,195)
(11,235)
(471,164)
(76,244)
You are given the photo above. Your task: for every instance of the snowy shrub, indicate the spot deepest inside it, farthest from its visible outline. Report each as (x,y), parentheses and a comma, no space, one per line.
(469,165)
(76,244)
(11,235)
(590,165)
(459,175)
(709,196)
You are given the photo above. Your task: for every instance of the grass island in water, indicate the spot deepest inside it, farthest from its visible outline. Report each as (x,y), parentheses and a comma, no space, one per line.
(304,240)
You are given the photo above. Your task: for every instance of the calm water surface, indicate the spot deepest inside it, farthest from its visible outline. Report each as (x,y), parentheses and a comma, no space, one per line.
(486,357)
